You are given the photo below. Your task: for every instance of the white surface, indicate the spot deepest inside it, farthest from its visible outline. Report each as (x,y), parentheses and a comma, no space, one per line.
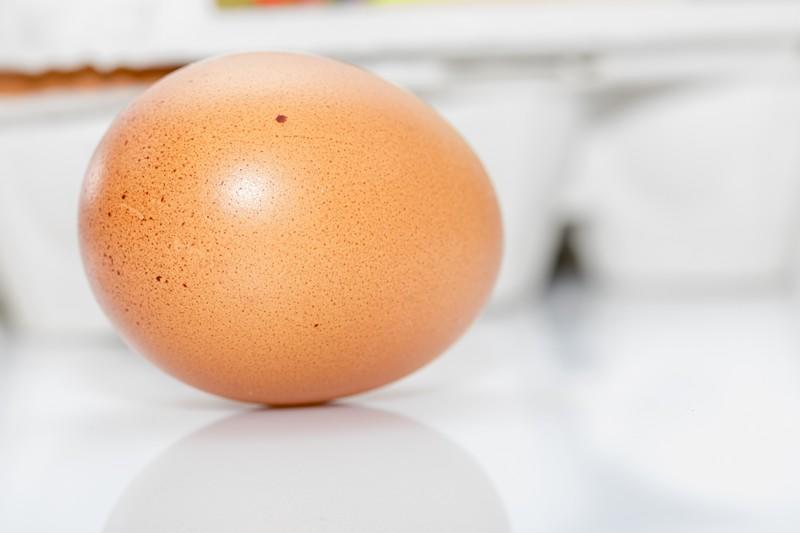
(594,414)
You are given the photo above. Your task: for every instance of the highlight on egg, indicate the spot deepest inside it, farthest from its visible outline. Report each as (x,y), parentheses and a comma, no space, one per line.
(287,229)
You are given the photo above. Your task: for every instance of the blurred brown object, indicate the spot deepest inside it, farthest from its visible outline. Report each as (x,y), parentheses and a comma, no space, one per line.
(269,3)
(84,78)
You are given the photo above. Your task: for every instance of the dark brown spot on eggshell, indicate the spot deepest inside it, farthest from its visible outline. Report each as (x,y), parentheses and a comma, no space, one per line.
(373,217)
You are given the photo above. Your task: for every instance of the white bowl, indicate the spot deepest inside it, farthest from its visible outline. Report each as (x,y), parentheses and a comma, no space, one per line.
(692,185)
(45,144)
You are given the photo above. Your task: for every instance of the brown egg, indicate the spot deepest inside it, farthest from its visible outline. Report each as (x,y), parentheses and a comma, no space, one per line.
(287,229)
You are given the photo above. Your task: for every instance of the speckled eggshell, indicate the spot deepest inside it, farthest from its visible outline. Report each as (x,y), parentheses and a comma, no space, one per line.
(287,229)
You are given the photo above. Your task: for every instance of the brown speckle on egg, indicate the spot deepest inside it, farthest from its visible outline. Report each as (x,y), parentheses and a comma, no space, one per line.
(371,215)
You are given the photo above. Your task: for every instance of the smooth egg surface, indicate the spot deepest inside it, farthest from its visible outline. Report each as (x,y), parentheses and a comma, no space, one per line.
(287,229)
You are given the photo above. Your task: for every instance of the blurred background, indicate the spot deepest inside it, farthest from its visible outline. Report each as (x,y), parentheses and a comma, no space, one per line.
(638,365)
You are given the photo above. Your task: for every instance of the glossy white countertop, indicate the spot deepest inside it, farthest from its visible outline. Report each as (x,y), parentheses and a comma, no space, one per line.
(590,413)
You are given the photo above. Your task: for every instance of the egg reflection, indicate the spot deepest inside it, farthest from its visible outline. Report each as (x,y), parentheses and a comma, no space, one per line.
(325,469)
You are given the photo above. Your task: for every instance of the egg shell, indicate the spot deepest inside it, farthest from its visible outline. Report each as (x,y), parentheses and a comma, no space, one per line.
(287,229)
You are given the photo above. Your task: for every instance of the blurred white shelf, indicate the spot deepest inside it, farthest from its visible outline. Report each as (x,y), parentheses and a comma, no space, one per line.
(42,35)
